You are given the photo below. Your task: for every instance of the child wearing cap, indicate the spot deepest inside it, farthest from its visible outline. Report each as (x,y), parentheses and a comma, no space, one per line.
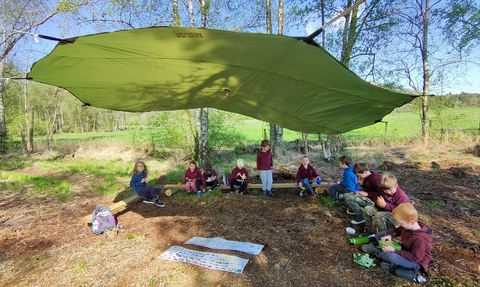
(239,177)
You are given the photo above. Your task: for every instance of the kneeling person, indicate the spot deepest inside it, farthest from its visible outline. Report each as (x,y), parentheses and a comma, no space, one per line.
(379,217)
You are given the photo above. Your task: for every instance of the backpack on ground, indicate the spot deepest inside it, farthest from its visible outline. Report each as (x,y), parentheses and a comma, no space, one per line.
(102,219)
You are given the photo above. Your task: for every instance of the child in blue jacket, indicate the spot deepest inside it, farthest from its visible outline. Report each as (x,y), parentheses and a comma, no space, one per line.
(349,182)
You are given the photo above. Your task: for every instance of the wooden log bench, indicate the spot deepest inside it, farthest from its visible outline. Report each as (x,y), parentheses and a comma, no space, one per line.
(251,186)
(121,205)
(115,207)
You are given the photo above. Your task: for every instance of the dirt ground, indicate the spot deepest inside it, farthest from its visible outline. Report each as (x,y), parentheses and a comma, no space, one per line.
(44,243)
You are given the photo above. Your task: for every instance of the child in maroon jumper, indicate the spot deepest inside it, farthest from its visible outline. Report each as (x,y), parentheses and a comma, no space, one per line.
(193,176)
(370,185)
(380,215)
(210,179)
(416,245)
(239,177)
(265,166)
(305,175)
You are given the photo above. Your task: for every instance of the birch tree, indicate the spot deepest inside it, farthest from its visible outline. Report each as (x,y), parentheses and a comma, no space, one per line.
(202,113)
(354,39)
(276,132)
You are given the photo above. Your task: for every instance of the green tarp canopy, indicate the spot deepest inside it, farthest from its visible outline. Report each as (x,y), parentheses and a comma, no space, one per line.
(277,79)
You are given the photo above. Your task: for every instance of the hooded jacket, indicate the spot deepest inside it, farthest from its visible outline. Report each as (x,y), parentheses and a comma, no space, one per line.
(349,179)
(394,200)
(372,186)
(416,244)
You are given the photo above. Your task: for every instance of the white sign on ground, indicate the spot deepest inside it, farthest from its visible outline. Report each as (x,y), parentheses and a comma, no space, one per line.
(209,260)
(222,244)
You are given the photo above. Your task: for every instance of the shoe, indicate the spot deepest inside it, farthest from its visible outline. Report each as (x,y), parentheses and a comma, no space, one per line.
(349,211)
(208,192)
(358,219)
(370,249)
(301,194)
(148,201)
(368,233)
(159,203)
(387,266)
(269,193)
(340,196)
(420,279)
(408,274)
(199,193)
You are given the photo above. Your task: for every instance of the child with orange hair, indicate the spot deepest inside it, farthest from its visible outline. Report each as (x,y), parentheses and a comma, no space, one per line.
(416,245)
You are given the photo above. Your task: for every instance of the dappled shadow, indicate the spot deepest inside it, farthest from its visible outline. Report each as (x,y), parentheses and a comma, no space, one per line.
(127,192)
(303,243)
(295,229)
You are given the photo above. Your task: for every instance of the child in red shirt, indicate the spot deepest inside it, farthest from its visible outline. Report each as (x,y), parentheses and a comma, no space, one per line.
(239,177)
(305,175)
(193,178)
(265,166)
(416,245)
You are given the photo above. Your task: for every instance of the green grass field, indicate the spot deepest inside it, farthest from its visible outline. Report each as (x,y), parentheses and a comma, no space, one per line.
(399,127)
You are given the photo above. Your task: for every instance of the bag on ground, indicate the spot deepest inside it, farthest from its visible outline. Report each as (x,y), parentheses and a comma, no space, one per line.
(102,219)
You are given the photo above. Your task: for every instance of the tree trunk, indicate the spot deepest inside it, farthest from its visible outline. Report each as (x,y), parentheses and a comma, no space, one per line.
(273,129)
(305,143)
(426,73)
(280,17)
(204,10)
(279,129)
(322,6)
(191,134)
(202,131)
(176,15)
(478,134)
(202,114)
(327,151)
(276,132)
(24,140)
(30,122)
(30,131)
(190,12)
(3,123)
(268,16)
(333,145)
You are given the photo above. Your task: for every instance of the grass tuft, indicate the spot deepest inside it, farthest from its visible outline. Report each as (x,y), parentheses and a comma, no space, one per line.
(81,267)
(325,201)
(433,204)
(134,236)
